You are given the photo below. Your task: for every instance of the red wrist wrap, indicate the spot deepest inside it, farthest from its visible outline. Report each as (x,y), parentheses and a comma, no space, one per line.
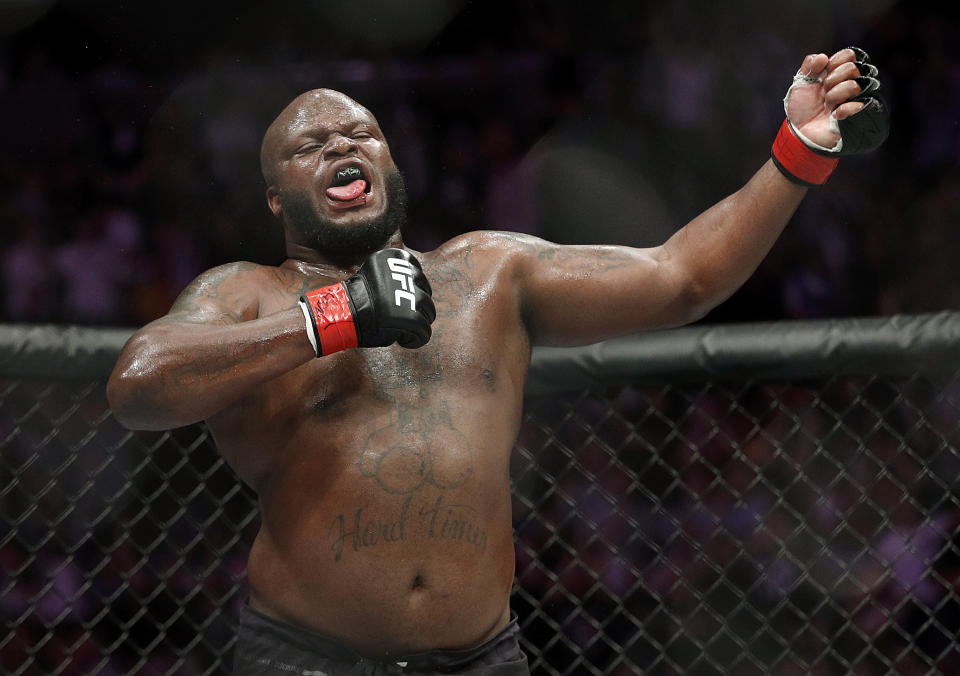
(330,308)
(799,163)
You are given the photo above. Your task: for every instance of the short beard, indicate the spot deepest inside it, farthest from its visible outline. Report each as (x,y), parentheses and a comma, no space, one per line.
(322,235)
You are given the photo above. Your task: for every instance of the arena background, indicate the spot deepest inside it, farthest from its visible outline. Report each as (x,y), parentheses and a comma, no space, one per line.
(129,131)
(128,152)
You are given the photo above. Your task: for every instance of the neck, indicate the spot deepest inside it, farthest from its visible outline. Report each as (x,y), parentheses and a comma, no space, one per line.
(310,260)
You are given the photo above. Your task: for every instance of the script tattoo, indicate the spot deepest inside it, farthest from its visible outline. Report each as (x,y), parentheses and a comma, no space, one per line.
(432,520)
(363,532)
(454,522)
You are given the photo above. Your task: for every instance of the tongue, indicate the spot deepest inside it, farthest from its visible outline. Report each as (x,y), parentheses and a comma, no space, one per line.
(350,191)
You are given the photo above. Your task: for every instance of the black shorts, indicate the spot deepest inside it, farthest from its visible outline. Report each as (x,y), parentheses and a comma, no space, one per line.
(267,646)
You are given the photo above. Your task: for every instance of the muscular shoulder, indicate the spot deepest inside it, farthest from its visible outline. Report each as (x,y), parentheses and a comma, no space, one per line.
(490,240)
(492,250)
(228,293)
(469,269)
(236,272)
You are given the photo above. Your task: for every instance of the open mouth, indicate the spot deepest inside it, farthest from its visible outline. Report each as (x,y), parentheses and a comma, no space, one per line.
(348,184)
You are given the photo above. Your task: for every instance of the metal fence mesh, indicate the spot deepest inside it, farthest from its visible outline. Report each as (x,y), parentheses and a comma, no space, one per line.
(705,528)
(121,552)
(746,529)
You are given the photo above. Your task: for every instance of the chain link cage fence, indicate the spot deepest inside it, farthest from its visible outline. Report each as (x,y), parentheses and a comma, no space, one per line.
(748,499)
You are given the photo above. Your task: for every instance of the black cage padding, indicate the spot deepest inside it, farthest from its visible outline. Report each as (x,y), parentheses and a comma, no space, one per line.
(896,345)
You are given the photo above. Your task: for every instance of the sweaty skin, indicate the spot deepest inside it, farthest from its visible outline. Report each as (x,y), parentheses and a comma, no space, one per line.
(383,473)
(386,497)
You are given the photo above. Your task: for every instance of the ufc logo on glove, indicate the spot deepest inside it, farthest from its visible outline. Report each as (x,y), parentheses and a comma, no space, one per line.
(358,312)
(402,271)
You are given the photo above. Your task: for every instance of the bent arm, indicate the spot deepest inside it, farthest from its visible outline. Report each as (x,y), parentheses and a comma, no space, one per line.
(207,353)
(582,294)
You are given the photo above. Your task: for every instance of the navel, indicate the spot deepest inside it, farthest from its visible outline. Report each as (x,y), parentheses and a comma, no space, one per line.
(323,404)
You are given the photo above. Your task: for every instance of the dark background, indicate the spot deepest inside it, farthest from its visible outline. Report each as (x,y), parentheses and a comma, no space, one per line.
(129,134)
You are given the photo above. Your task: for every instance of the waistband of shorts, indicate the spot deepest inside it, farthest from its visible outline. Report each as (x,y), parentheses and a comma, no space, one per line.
(503,646)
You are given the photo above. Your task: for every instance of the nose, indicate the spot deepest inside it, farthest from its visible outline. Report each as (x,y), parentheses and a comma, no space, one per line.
(338,145)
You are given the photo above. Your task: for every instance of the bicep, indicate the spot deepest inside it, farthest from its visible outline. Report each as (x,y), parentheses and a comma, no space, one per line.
(572,295)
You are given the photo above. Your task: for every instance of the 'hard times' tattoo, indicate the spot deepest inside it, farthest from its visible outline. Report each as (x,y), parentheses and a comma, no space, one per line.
(430,520)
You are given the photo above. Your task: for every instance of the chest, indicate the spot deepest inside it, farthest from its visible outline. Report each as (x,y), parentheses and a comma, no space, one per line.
(477,352)
(456,362)
(471,371)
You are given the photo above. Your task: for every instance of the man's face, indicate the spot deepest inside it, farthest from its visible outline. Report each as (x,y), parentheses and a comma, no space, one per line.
(334,181)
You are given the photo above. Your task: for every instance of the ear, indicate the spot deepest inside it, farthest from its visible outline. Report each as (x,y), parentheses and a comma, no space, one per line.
(273,201)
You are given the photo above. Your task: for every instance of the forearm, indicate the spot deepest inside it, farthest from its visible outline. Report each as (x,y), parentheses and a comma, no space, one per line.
(172,374)
(719,250)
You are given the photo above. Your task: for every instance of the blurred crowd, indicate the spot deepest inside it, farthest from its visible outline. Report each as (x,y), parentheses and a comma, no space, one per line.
(760,529)
(119,553)
(126,173)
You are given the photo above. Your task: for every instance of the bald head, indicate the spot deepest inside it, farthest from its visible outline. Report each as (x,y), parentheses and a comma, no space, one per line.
(312,111)
(304,156)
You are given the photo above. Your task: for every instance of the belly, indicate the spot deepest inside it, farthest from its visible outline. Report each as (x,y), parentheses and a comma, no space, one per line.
(395,574)
(416,598)
(392,537)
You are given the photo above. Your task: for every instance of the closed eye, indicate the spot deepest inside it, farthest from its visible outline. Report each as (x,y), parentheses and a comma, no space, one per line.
(362,131)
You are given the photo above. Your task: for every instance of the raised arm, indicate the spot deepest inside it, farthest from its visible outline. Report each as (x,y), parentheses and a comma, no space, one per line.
(575,295)
(206,353)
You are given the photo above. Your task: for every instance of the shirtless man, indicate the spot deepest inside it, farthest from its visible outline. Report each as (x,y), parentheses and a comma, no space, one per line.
(375,423)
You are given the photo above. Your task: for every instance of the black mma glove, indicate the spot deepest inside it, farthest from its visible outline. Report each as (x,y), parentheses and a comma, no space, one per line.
(388,301)
(807,163)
